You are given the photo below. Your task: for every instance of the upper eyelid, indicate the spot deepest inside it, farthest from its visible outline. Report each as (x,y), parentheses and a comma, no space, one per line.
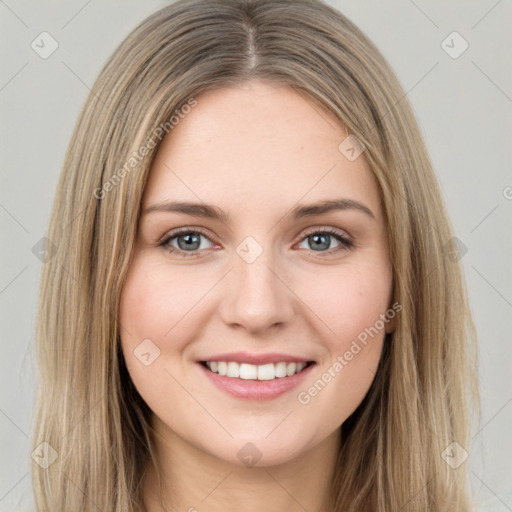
(182,231)
(340,232)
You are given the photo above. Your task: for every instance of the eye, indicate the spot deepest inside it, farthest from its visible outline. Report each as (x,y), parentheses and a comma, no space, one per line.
(187,241)
(320,240)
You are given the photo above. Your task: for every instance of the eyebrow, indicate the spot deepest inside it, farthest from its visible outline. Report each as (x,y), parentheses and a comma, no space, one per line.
(299,212)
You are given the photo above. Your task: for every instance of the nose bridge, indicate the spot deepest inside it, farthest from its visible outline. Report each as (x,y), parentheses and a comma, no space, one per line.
(257,297)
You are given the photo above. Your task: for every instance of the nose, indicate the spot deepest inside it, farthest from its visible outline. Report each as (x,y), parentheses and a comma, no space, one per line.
(256,296)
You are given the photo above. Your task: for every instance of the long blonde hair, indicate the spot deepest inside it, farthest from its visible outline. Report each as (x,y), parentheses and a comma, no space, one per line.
(88,410)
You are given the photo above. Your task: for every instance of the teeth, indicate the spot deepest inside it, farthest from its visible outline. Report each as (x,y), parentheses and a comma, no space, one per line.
(246,371)
(290,369)
(233,370)
(222,368)
(280,370)
(266,372)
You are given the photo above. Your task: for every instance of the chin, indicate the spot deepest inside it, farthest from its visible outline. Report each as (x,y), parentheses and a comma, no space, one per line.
(263,449)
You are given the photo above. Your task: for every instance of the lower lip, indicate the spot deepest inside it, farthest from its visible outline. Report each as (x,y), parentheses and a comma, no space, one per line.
(256,389)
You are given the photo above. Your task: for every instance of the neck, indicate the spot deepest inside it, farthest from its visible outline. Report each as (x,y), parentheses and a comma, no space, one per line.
(195,481)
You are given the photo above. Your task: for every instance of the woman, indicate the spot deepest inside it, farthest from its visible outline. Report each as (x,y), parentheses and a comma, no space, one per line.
(254,302)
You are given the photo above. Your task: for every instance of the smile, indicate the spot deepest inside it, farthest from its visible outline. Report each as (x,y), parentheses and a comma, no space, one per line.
(246,371)
(256,376)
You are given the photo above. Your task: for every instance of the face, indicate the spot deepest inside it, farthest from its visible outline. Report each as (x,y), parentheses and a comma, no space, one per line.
(248,315)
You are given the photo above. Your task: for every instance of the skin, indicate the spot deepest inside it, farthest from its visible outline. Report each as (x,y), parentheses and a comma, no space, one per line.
(255,151)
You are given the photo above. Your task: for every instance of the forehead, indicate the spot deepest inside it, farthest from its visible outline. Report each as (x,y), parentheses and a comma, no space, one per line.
(258,144)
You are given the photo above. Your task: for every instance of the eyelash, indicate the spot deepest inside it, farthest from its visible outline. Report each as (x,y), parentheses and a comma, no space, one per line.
(345,243)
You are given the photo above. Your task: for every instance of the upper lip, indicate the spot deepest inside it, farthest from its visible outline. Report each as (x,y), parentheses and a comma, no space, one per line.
(257,359)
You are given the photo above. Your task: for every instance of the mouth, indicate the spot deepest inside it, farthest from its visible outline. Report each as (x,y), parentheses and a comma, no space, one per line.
(256,377)
(261,372)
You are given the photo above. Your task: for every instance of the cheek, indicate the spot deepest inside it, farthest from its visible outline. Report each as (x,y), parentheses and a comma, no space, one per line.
(351,313)
(155,303)
(151,305)
(160,314)
(349,301)
(148,310)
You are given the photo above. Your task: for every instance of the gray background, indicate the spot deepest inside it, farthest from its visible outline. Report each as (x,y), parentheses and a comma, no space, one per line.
(464,108)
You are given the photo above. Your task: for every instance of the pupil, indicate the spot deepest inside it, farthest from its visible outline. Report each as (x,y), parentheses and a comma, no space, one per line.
(190,240)
(316,238)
